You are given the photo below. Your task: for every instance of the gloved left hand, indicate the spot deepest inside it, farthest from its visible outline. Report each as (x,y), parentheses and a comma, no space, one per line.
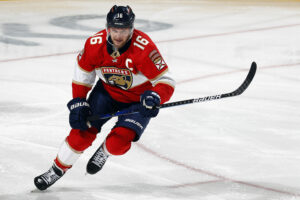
(150,102)
(79,112)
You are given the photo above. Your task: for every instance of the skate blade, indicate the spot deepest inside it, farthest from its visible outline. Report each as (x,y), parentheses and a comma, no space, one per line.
(37,191)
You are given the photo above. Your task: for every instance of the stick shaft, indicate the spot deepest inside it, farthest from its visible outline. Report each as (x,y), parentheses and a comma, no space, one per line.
(236,92)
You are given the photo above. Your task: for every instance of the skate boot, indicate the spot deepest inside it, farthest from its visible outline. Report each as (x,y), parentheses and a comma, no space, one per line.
(97,161)
(43,181)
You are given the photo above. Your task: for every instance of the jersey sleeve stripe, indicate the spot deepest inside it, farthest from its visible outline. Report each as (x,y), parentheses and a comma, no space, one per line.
(83,77)
(164,77)
(83,84)
(158,76)
(166,80)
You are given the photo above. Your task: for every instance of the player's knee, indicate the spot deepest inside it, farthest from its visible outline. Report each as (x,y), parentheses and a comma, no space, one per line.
(118,142)
(81,140)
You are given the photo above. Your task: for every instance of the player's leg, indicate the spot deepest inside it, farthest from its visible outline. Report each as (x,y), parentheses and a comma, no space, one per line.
(77,141)
(68,153)
(118,142)
(128,129)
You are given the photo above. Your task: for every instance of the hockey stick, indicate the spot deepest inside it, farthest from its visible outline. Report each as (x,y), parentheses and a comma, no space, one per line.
(236,92)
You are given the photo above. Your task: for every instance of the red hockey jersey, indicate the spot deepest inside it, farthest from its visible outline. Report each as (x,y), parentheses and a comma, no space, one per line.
(125,76)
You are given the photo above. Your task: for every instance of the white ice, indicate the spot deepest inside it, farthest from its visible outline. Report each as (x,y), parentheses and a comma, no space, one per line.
(239,148)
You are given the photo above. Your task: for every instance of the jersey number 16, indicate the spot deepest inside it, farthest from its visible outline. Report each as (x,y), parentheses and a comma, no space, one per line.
(141,42)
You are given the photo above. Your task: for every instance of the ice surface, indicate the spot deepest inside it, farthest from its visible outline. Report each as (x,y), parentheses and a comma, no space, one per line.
(240,148)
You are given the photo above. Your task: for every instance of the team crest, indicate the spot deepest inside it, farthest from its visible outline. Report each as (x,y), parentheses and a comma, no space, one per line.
(157,59)
(121,78)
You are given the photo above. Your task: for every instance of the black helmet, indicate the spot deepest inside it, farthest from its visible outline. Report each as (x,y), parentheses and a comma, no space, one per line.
(120,17)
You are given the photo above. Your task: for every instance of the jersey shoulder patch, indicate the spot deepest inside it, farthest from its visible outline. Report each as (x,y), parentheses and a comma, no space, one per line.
(147,48)
(157,59)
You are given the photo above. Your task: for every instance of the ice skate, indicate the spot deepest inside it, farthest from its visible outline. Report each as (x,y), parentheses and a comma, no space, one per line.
(97,161)
(43,181)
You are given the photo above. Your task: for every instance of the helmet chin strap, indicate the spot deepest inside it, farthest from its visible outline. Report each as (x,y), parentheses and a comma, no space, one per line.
(108,34)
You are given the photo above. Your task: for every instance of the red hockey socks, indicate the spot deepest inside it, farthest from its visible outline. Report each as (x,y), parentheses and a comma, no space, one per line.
(61,166)
(73,146)
(118,142)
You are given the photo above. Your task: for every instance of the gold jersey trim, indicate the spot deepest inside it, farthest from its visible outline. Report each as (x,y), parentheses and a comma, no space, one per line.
(159,75)
(83,84)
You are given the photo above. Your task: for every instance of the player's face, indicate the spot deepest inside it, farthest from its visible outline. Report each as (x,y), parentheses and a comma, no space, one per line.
(119,36)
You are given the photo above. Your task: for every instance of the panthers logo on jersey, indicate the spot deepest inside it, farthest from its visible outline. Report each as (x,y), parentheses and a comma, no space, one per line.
(121,78)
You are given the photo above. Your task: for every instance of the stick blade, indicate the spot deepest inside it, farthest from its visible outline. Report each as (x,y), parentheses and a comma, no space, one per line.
(246,82)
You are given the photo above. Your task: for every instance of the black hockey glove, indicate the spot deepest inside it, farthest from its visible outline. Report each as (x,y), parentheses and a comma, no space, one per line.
(150,101)
(79,112)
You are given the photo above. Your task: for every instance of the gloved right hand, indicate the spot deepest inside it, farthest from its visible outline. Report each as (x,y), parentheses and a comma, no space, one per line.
(150,101)
(79,112)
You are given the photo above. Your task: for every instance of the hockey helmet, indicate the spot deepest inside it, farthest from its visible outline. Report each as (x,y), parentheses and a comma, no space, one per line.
(120,17)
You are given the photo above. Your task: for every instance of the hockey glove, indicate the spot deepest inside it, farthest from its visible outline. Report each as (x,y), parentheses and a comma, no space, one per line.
(150,101)
(79,112)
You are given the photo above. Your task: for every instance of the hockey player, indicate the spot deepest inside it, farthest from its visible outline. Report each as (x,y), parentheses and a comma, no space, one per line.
(132,75)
